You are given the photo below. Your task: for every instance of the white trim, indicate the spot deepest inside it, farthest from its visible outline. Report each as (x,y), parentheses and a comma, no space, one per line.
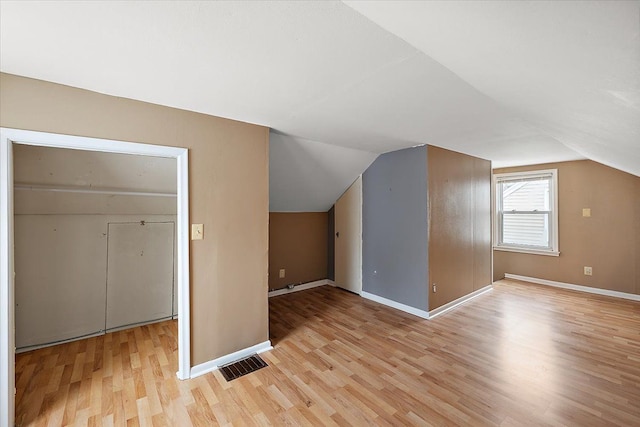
(7,139)
(54,140)
(51,344)
(580,288)
(94,334)
(394,304)
(361,233)
(184,280)
(7,320)
(535,173)
(301,287)
(212,365)
(553,217)
(526,251)
(455,303)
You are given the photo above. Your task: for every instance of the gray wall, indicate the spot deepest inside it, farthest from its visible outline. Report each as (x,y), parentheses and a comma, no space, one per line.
(394,228)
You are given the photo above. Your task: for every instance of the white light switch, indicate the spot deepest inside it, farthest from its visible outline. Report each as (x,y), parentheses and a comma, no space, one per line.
(197,231)
(586,212)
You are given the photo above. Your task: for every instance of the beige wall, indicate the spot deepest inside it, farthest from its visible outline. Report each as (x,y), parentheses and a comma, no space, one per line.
(459,204)
(297,243)
(608,241)
(228,190)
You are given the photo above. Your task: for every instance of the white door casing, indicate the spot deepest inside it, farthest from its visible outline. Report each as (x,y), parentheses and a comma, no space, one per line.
(8,137)
(7,321)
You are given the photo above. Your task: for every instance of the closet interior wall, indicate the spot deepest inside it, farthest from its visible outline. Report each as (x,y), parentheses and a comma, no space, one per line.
(94,243)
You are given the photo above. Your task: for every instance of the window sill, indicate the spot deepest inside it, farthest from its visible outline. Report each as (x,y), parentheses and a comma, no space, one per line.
(526,251)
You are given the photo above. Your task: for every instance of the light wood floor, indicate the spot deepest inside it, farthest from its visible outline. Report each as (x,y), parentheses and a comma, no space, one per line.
(519,355)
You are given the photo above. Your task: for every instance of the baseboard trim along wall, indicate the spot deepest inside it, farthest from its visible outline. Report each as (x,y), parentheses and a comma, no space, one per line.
(580,288)
(301,287)
(455,303)
(212,365)
(396,305)
(422,313)
(65,341)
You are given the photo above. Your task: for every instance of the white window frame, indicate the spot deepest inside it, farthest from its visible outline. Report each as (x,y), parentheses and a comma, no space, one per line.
(553,250)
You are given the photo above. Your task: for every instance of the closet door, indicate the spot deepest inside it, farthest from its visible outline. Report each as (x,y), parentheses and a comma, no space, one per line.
(348,240)
(139,273)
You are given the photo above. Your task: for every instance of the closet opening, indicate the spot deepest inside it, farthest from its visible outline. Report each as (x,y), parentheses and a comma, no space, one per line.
(135,231)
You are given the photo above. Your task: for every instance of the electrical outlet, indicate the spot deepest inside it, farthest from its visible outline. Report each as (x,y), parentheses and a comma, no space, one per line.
(282,273)
(586,212)
(588,271)
(435,288)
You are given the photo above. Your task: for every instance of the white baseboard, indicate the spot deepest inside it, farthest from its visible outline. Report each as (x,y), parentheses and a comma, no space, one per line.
(65,341)
(393,304)
(422,313)
(453,304)
(301,287)
(588,289)
(91,335)
(212,365)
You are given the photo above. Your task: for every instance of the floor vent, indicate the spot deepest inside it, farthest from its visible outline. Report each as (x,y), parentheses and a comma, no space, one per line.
(242,367)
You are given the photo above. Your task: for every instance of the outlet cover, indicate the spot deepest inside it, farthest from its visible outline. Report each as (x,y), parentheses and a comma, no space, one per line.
(197,231)
(282,273)
(588,271)
(586,212)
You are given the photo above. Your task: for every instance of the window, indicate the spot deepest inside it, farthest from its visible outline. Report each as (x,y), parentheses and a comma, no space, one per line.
(526,214)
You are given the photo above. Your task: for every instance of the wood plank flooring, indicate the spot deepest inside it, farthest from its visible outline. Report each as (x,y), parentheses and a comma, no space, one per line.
(520,355)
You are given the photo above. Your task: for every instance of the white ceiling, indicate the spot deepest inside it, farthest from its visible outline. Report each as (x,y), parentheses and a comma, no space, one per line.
(513,82)
(321,172)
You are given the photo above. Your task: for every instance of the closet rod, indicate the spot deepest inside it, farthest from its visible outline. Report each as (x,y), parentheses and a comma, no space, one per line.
(90,190)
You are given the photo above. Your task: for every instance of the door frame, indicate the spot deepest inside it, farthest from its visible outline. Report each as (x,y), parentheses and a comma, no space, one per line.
(9,137)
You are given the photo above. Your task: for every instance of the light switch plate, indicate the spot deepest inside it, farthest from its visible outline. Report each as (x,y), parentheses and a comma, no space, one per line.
(197,231)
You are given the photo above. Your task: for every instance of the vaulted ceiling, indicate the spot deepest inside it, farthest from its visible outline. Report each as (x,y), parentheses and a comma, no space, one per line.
(339,82)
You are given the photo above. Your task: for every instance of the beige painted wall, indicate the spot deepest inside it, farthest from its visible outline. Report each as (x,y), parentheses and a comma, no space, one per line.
(228,190)
(459,203)
(608,241)
(297,243)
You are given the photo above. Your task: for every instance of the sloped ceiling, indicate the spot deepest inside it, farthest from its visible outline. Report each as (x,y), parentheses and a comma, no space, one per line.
(570,69)
(513,82)
(321,171)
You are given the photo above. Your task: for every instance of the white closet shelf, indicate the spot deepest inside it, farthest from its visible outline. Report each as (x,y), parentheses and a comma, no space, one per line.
(90,190)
